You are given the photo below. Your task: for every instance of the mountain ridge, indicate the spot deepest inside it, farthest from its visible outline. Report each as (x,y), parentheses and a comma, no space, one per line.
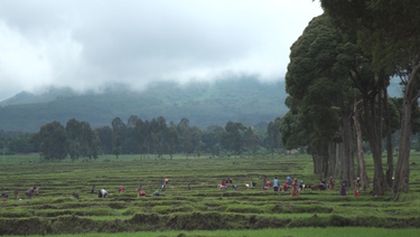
(244,99)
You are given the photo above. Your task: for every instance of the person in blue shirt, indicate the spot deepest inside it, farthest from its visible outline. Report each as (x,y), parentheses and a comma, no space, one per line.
(276,184)
(289,180)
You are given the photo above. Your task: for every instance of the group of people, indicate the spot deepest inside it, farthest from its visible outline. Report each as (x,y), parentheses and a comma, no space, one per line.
(291,184)
(295,186)
(329,184)
(357,186)
(228,183)
(323,184)
(103,193)
(32,191)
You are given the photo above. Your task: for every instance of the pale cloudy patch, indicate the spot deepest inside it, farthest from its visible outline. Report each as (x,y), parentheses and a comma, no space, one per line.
(89,44)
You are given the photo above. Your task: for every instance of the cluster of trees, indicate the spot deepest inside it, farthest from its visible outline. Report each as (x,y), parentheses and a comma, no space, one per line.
(337,80)
(159,137)
(15,142)
(77,139)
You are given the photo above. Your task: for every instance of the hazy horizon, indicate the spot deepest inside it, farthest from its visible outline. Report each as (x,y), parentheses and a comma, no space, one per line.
(124,86)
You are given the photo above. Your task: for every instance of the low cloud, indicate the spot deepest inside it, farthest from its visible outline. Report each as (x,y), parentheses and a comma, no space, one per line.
(88,44)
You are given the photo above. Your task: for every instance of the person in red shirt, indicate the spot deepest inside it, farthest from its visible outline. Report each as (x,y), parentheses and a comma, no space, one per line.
(295,188)
(356,187)
(141,192)
(121,189)
(223,184)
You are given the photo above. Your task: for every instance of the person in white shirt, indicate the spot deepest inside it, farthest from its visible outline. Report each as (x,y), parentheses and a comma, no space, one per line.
(102,193)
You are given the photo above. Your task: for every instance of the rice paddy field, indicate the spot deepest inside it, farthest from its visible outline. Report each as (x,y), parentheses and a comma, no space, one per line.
(191,205)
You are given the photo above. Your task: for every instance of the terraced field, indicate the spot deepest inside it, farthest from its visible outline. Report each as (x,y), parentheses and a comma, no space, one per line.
(191,201)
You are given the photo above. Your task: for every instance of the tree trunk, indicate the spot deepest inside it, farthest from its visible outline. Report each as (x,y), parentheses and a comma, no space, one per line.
(373,122)
(324,165)
(317,164)
(339,155)
(402,169)
(320,158)
(347,165)
(332,158)
(359,149)
(378,174)
(389,149)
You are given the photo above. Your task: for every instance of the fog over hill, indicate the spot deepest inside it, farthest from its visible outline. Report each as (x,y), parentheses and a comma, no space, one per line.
(244,99)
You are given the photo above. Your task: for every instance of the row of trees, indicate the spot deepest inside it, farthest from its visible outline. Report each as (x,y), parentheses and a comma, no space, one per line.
(77,139)
(337,80)
(159,137)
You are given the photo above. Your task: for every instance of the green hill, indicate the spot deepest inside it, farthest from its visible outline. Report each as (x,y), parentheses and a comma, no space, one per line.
(242,99)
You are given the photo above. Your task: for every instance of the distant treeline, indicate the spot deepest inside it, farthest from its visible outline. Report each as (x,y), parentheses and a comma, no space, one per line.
(78,139)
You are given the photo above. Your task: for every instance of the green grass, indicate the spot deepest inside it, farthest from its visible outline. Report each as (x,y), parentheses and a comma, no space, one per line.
(202,206)
(290,232)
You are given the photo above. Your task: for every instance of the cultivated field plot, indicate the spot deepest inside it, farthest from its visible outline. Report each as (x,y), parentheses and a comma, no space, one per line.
(191,201)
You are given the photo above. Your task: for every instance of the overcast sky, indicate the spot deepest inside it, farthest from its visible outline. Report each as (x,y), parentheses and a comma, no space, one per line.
(86,44)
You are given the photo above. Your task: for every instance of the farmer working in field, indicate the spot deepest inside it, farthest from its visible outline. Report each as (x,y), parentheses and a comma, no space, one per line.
(164,183)
(295,188)
(32,191)
(289,180)
(264,182)
(356,187)
(229,181)
(322,185)
(301,186)
(102,193)
(252,184)
(222,185)
(267,184)
(5,196)
(276,184)
(331,183)
(140,191)
(121,189)
(286,186)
